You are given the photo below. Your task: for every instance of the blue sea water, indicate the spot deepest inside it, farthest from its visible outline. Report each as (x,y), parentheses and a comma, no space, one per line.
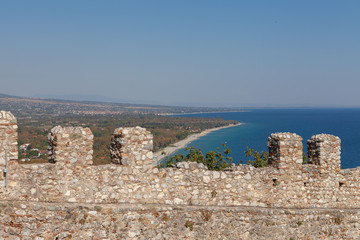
(260,123)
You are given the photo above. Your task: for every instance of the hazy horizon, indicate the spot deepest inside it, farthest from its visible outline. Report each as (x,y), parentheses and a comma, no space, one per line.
(105,99)
(203,53)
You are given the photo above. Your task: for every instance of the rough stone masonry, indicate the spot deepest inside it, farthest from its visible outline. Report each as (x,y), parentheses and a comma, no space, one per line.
(69,198)
(8,141)
(71,145)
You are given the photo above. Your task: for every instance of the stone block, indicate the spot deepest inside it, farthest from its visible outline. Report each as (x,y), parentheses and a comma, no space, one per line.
(131,146)
(285,150)
(71,145)
(324,150)
(8,136)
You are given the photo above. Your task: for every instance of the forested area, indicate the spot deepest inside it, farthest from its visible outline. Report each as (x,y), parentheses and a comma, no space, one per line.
(166,130)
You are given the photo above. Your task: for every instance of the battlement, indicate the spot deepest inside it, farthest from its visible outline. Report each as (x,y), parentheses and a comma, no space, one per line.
(70,179)
(71,145)
(324,150)
(132,147)
(8,136)
(285,150)
(71,176)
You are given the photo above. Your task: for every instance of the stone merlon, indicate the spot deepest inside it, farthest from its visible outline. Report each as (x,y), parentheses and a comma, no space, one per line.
(70,175)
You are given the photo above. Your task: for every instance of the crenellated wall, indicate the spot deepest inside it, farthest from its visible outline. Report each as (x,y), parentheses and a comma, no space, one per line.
(8,136)
(285,151)
(324,151)
(8,143)
(71,145)
(130,188)
(132,147)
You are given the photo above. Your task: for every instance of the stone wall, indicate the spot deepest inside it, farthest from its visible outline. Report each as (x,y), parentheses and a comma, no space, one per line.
(42,221)
(324,151)
(132,147)
(8,137)
(71,145)
(285,151)
(132,199)
(8,143)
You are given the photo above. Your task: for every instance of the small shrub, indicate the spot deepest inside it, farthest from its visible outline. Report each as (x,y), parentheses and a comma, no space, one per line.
(305,158)
(189,225)
(257,159)
(213,193)
(215,161)
(338,220)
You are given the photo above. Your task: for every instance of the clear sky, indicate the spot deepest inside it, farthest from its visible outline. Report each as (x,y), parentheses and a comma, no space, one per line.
(238,53)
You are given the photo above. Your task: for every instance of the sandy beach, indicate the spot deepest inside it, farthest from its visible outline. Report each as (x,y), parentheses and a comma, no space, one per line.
(183,143)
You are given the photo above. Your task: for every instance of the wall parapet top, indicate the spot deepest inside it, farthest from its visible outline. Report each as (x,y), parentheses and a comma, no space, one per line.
(131,146)
(324,137)
(71,176)
(7,117)
(283,136)
(70,145)
(8,137)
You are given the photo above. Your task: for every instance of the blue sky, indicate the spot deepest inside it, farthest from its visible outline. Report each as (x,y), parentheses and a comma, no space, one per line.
(223,53)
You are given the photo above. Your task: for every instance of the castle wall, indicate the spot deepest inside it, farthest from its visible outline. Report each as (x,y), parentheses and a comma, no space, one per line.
(71,145)
(188,184)
(132,147)
(324,150)
(285,151)
(42,221)
(185,190)
(8,143)
(8,137)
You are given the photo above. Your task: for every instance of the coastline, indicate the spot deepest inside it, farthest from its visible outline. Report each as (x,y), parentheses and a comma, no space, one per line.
(180,114)
(183,143)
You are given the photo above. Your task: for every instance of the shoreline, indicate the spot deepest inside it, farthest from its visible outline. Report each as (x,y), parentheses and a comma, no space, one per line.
(180,114)
(158,157)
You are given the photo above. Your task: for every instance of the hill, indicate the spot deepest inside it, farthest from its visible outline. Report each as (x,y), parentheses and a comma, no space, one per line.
(36,116)
(23,106)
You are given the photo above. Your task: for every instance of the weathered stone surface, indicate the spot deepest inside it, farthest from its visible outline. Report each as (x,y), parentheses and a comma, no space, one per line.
(131,147)
(135,221)
(131,199)
(285,150)
(71,145)
(8,137)
(293,185)
(324,150)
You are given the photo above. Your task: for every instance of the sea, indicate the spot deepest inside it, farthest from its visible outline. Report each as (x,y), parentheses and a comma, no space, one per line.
(258,124)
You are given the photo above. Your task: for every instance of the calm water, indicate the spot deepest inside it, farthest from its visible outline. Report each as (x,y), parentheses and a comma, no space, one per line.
(259,124)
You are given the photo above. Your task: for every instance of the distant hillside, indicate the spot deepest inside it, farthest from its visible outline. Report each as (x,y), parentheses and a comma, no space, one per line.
(24,106)
(6,96)
(84,97)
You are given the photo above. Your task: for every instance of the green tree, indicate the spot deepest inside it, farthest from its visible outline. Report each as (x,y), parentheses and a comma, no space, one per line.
(257,159)
(213,160)
(217,160)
